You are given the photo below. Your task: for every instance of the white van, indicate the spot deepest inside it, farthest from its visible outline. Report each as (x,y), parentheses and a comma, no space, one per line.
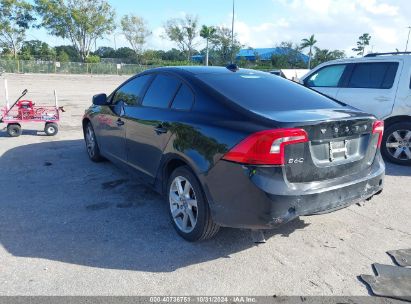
(379,84)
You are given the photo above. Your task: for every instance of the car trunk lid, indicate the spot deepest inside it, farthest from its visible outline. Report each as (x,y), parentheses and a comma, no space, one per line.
(340,143)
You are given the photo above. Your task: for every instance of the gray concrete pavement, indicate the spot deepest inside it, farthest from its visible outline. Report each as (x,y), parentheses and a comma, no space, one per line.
(72,227)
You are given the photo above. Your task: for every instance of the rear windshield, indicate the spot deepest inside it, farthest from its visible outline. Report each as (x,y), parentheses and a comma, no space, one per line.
(259,91)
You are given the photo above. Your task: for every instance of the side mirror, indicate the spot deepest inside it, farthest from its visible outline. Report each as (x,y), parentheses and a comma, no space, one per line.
(100,100)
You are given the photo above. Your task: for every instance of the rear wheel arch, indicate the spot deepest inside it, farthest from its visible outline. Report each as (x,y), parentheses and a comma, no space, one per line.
(169,164)
(396,119)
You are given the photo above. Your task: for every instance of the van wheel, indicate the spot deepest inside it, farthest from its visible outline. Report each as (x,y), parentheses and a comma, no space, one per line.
(14,130)
(189,210)
(396,143)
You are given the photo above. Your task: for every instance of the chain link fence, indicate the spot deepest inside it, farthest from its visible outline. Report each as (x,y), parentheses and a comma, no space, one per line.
(51,67)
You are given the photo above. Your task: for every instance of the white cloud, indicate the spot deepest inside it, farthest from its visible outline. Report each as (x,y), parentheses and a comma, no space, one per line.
(337,24)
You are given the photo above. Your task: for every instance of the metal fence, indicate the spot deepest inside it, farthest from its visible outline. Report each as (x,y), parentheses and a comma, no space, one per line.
(51,67)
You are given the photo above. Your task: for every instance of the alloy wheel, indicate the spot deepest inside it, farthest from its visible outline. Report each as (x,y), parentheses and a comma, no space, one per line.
(90,141)
(183,204)
(399,144)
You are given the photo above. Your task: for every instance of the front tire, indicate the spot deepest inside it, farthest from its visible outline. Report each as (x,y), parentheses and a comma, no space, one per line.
(189,210)
(396,143)
(93,150)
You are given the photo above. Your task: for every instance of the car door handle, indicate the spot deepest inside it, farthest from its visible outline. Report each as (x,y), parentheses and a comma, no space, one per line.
(160,130)
(382,98)
(120,122)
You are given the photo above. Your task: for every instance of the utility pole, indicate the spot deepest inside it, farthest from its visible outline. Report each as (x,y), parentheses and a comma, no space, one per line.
(232,34)
(408,39)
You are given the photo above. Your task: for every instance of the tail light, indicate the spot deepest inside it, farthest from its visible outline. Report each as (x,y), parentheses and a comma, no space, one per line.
(265,147)
(378,128)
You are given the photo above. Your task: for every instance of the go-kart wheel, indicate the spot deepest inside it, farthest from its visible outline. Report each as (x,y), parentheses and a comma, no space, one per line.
(51,129)
(14,130)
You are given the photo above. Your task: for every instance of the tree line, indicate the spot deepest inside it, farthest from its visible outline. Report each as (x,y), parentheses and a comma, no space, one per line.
(83,22)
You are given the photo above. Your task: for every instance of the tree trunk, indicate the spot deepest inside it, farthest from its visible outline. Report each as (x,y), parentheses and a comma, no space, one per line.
(206,60)
(309,58)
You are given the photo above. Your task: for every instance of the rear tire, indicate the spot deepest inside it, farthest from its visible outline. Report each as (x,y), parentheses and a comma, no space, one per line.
(93,150)
(189,210)
(14,130)
(51,129)
(396,143)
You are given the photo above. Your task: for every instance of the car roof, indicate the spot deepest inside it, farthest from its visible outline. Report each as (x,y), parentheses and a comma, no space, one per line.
(371,59)
(198,70)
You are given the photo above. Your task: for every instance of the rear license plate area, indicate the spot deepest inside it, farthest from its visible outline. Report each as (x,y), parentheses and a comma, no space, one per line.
(338,150)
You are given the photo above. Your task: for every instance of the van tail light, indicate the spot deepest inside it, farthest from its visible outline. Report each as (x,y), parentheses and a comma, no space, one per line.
(378,128)
(265,147)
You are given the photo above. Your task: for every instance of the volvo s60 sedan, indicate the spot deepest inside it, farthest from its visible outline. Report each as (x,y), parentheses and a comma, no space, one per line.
(232,147)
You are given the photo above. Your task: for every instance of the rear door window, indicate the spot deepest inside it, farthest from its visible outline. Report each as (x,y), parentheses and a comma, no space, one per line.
(375,75)
(161,91)
(184,99)
(329,76)
(130,93)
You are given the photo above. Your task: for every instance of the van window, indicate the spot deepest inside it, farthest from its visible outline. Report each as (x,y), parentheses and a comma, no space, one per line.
(329,76)
(376,75)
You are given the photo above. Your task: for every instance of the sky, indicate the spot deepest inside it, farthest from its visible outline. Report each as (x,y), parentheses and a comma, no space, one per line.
(336,24)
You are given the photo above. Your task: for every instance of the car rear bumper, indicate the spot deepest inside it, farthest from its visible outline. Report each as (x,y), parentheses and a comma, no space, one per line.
(261,198)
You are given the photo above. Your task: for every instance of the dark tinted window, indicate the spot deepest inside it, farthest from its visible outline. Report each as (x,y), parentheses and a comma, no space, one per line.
(379,75)
(326,77)
(161,91)
(260,91)
(184,99)
(130,93)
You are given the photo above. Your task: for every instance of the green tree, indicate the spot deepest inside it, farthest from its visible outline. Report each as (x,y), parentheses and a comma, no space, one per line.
(222,47)
(309,43)
(80,21)
(93,59)
(15,18)
(207,32)
(63,56)
(136,32)
(183,31)
(288,56)
(70,50)
(324,55)
(105,52)
(362,43)
(37,49)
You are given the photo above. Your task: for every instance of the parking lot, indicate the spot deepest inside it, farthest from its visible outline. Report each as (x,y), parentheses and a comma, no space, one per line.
(72,227)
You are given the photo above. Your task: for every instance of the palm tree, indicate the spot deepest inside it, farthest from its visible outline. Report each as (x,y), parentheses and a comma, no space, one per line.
(310,42)
(207,32)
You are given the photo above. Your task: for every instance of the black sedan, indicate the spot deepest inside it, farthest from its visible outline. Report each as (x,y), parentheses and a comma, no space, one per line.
(236,148)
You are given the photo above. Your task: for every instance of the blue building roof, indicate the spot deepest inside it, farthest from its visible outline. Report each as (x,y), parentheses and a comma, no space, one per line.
(266,53)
